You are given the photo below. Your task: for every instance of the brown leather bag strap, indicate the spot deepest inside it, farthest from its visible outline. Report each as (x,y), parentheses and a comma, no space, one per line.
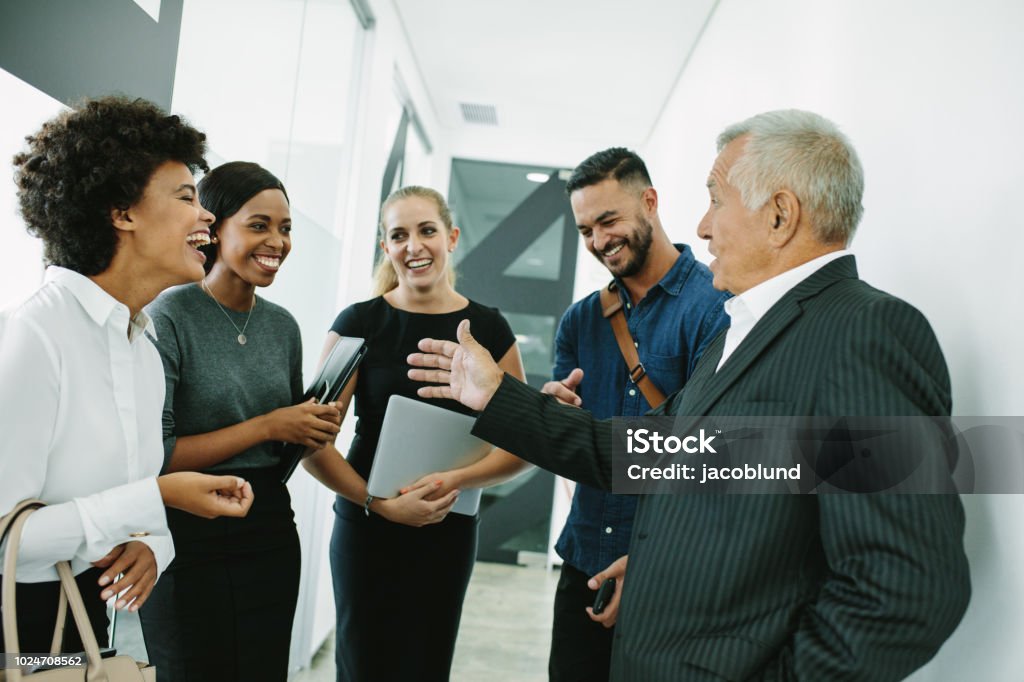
(611,308)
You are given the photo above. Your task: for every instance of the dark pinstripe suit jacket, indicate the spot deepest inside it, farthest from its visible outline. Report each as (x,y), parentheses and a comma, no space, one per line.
(779,587)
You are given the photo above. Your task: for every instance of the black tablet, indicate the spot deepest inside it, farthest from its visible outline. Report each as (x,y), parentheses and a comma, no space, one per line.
(337,369)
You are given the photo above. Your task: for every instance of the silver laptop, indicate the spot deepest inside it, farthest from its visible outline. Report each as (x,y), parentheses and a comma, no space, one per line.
(419,439)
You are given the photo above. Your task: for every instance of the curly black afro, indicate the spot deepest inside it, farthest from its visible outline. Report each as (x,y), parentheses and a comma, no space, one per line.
(87,161)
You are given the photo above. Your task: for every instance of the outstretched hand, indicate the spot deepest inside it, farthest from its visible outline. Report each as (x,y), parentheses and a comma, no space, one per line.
(466,371)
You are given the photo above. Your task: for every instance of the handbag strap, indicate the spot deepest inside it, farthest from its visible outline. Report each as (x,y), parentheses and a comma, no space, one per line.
(7,519)
(611,309)
(12,525)
(58,629)
(62,604)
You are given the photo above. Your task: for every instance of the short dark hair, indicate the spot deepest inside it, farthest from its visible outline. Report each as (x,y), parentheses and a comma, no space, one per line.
(225,189)
(89,160)
(615,162)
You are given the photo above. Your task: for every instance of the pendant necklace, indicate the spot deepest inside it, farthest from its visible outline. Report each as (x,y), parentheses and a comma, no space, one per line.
(241,332)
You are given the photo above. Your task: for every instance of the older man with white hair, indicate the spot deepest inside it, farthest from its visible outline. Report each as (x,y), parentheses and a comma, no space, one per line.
(767,587)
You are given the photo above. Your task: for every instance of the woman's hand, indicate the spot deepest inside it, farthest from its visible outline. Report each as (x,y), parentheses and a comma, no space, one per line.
(442,484)
(206,495)
(308,423)
(137,562)
(413,509)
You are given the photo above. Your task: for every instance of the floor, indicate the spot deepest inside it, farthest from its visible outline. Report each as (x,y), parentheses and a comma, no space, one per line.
(504,635)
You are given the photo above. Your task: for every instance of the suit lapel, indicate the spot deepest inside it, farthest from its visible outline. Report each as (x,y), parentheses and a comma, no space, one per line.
(711,385)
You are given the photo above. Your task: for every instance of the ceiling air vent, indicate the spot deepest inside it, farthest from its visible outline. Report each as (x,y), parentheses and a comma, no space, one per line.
(482,114)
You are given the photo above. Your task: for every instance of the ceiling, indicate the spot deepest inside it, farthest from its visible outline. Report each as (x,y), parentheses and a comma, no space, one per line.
(583,68)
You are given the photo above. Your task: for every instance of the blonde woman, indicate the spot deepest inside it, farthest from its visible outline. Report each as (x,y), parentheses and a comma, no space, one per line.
(401,566)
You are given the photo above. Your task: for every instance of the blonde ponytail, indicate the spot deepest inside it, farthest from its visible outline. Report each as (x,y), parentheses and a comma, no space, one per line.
(384,276)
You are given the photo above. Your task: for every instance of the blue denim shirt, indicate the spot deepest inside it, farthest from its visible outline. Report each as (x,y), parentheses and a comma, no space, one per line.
(671,326)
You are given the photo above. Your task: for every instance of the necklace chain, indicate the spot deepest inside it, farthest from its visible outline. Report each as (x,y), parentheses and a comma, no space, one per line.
(241,332)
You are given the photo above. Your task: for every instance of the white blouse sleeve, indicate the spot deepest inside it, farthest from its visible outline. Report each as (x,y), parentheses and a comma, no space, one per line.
(83,529)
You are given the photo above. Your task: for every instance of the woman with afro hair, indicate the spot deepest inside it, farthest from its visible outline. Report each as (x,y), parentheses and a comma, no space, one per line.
(109,188)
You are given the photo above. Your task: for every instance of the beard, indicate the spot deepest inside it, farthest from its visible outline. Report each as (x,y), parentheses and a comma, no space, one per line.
(639,243)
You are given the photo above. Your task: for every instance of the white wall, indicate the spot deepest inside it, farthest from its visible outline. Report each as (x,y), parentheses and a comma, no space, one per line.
(930,94)
(388,50)
(23,272)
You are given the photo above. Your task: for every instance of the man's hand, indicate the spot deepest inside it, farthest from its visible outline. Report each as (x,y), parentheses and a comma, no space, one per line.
(206,495)
(137,562)
(466,368)
(616,570)
(565,390)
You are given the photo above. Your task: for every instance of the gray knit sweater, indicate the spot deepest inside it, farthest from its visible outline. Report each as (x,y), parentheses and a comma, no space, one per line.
(212,380)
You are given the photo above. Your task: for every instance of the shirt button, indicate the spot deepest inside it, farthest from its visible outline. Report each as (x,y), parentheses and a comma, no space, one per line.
(632,391)
(608,530)
(628,306)
(642,536)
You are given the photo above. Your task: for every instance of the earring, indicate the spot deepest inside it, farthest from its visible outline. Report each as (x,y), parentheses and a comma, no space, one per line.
(214,240)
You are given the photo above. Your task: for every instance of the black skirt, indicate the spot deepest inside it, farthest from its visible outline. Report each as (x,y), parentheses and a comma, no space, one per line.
(224,608)
(398,592)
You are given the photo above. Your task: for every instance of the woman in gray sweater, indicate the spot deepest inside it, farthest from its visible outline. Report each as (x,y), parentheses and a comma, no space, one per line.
(232,362)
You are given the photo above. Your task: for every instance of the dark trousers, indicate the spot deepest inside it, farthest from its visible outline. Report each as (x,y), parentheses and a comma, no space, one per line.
(223,609)
(37,614)
(581,650)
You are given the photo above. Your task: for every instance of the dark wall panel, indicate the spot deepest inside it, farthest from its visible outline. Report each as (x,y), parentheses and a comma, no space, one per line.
(81,48)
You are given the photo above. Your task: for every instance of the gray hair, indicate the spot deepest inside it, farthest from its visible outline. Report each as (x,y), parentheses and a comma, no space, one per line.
(806,154)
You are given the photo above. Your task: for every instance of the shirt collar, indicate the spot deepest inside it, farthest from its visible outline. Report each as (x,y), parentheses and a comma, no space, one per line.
(96,302)
(676,276)
(758,300)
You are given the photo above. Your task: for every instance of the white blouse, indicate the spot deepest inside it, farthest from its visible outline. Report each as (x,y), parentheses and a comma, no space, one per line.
(80,406)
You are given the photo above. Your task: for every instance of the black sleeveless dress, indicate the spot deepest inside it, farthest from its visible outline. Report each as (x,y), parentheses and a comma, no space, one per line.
(398,589)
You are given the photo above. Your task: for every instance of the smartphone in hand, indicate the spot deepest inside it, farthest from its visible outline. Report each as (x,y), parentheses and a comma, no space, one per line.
(604,595)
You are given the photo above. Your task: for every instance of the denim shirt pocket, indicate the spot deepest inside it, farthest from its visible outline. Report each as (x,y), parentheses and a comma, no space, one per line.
(668,372)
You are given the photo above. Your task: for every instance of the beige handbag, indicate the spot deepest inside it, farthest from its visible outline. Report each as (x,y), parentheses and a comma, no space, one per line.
(97,669)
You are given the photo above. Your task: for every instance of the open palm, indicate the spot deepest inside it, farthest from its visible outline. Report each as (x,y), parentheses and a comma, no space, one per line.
(466,371)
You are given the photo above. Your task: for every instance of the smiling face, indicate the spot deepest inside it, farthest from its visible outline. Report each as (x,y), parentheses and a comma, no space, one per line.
(417,242)
(164,228)
(254,242)
(737,237)
(615,224)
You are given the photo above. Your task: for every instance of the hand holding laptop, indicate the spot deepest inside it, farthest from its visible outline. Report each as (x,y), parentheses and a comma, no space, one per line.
(443,482)
(417,438)
(418,506)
